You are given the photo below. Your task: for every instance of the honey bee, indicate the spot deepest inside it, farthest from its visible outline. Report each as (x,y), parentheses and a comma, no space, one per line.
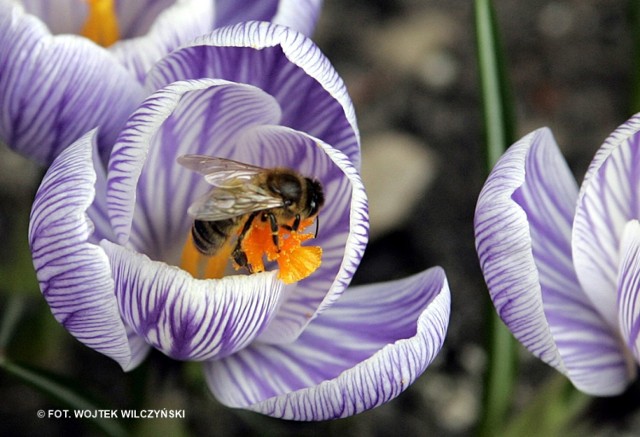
(242,193)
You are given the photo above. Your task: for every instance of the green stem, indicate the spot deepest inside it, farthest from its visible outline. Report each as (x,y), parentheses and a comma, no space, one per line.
(499,133)
(500,376)
(496,97)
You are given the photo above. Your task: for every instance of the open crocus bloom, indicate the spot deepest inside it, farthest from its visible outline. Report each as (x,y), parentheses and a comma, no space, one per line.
(56,85)
(562,264)
(108,244)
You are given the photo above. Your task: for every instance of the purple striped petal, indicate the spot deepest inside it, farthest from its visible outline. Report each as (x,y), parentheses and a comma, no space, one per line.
(589,348)
(187,318)
(147,190)
(151,29)
(523,235)
(612,142)
(503,243)
(280,61)
(364,351)
(54,89)
(608,200)
(98,211)
(343,231)
(138,346)
(300,15)
(74,275)
(628,290)
(226,120)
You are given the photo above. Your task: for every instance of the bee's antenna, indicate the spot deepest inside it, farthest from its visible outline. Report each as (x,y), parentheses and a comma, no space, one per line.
(317,225)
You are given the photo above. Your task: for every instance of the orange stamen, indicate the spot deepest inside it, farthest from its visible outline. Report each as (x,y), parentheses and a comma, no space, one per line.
(101,25)
(295,262)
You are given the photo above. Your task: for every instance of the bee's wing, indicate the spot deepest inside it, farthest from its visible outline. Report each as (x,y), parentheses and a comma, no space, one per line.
(234,193)
(231,201)
(219,172)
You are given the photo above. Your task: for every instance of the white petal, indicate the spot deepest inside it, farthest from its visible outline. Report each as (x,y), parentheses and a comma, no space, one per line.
(608,199)
(365,350)
(629,289)
(187,318)
(145,42)
(74,275)
(198,117)
(283,63)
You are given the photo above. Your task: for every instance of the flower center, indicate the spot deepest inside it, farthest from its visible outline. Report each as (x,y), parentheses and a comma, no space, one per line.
(295,262)
(102,23)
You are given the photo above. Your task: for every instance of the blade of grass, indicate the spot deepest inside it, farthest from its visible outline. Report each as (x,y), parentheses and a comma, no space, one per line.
(499,133)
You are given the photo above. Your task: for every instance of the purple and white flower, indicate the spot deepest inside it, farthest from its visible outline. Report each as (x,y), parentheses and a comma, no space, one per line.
(56,85)
(561,263)
(107,242)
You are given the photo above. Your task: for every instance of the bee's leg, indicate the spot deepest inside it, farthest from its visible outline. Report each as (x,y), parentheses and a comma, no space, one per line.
(295,225)
(317,226)
(240,258)
(238,254)
(274,229)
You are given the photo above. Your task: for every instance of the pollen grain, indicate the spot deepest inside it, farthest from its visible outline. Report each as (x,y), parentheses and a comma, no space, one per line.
(295,262)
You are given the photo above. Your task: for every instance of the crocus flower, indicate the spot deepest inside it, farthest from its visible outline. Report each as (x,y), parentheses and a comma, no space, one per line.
(561,263)
(112,250)
(55,85)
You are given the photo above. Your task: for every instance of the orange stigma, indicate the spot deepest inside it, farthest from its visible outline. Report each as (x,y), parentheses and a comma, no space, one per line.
(101,25)
(295,262)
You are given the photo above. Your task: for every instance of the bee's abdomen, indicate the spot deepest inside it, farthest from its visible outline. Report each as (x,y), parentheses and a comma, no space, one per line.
(208,236)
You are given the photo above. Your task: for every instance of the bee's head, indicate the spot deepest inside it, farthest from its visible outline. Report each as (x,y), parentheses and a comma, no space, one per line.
(287,186)
(315,196)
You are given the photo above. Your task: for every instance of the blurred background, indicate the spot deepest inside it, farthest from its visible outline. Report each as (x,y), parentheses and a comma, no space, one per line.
(410,67)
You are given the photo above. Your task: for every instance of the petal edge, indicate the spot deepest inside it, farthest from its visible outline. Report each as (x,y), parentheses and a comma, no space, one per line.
(378,369)
(74,275)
